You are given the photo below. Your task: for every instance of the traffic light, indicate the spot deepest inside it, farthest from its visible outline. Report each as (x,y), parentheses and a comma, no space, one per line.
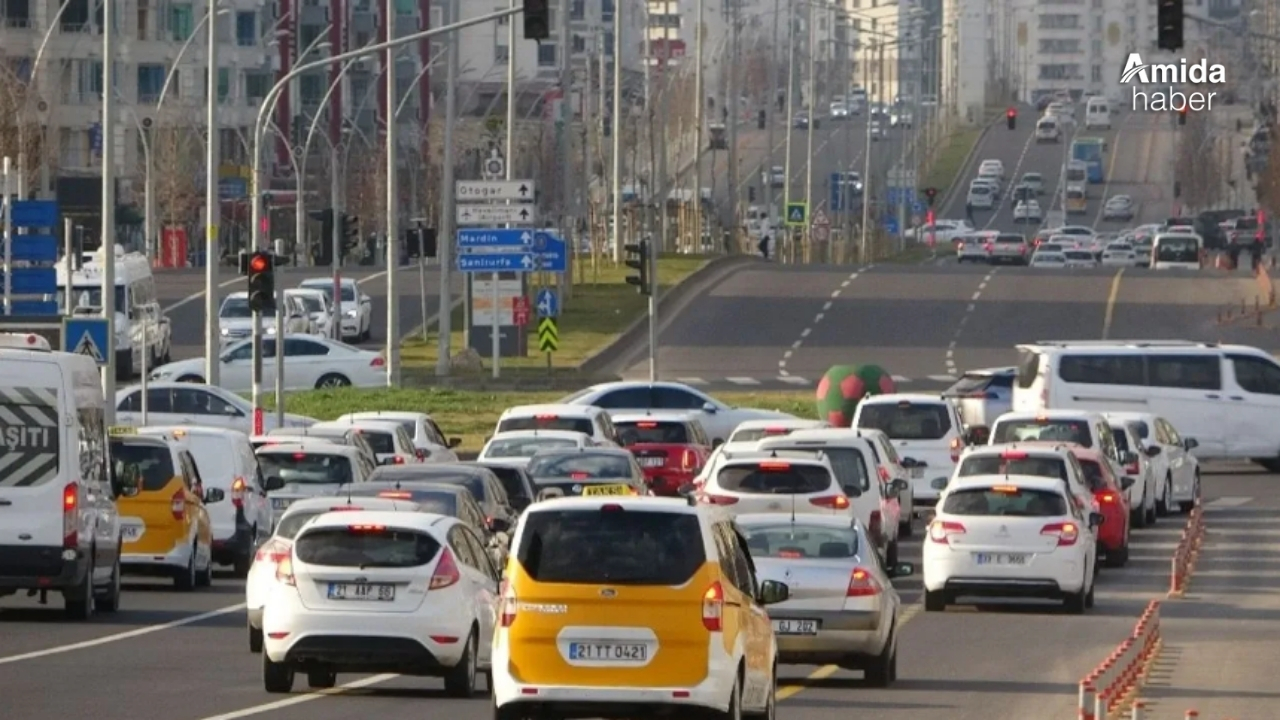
(1011,118)
(638,260)
(1169,20)
(261,269)
(537,20)
(1182,116)
(931,194)
(350,232)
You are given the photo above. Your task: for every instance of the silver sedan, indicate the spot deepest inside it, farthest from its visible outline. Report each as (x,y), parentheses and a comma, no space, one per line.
(843,608)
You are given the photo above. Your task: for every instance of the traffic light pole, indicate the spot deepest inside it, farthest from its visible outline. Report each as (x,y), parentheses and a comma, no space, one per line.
(335,233)
(279,356)
(393,209)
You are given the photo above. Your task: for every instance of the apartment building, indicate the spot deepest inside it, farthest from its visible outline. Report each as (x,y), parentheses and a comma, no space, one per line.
(965,53)
(891,38)
(1081,45)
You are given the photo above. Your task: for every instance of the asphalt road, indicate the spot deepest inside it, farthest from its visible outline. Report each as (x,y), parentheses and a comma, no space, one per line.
(184,656)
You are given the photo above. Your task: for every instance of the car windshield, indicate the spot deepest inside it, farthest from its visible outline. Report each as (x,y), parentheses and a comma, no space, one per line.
(523,447)
(745,435)
(307,468)
(1122,439)
(613,545)
(650,431)
(1177,249)
(581,466)
(1005,500)
(433,501)
(366,546)
(1093,476)
(152,463)
(797,540)
(348,292)
(774,478)
(906,421)
(1067,431)
(1052,467)
(235,308)
(312,303)
(89,296)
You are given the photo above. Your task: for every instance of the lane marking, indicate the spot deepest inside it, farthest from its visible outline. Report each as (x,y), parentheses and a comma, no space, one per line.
(1111,304)
(949,361)
(906,615)
(785,374)
(743,380)
(826,306)
(1009,184)
(1111,165)
(1228,502)
(691,381)
(299,699)
(196,296)
(118,637)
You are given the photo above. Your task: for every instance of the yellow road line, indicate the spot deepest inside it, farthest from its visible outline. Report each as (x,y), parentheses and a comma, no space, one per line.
(826,671)
(1111,304)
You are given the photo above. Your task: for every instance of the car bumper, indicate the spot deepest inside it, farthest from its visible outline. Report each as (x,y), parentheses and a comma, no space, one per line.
(41,568)
(840,635)
(178,557)
(402,642)
(350,326)
(956,572)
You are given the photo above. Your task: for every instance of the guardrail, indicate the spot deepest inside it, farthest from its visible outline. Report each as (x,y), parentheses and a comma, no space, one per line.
(1187,552)
(1113,684)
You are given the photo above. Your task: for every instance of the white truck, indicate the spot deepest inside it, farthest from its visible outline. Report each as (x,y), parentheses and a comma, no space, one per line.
(138,314)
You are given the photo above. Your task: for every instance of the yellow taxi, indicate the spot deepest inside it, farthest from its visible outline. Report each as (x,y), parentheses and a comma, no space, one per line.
(165,527)
(634,605)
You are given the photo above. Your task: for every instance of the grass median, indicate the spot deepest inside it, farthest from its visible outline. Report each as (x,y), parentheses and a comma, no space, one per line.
(471,415)
(951,158)
(601,308)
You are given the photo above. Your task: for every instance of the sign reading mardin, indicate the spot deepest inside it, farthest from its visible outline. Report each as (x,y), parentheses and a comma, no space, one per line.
(1171,75)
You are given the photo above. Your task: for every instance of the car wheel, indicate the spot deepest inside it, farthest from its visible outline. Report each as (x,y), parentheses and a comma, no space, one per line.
(333,380)
(884,668)
(109,601)
(935,601)
(1164,504)
(78,601)
(255,639)
(1138,517)
(1074,603)
(905,528)
(321,679)
(460,682)
(204,578)
(184,579)
(277,678)
(891,554)
(242,562)
(1119,557)
(1149,513)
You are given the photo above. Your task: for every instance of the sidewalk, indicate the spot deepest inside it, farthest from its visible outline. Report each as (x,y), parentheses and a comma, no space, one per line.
(1222,641)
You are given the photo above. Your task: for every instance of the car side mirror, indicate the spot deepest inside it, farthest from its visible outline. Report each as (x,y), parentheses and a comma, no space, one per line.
(710,408)
(1153,450)
(717,443)
(909,463)
(1096,520)
(1128,457)
(273,482)
(686,489)
(213,495)
(389,461)
(772,592)
(1191,443)
(897,487)
(498,525)
(902,570)
(1127,482)
(454,442)
(853,491)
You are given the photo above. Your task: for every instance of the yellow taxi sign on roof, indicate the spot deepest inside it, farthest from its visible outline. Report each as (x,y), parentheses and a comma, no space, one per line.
(115,430)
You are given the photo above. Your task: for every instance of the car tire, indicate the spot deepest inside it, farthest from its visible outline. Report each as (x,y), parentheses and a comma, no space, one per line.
(891,554)
(255,639)
(79,599)
(884,668)
(1149,513)
(1164,504)
(184,578)
(204,578)
(333,380)
(770,711)
(108,601)
(1091,596)
(734,711)
(1075,603)
(321,679)
(240,566)
(935,601)
(1138,517)
(460,681)
(905,528)
(277,678)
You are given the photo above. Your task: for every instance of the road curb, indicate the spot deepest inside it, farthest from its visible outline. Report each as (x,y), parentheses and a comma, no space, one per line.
(634,339)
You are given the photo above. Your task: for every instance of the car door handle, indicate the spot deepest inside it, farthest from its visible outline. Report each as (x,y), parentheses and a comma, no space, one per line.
(1237,397)
(1212,396)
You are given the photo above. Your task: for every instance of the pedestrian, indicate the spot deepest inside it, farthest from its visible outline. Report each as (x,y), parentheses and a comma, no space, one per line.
(764,247)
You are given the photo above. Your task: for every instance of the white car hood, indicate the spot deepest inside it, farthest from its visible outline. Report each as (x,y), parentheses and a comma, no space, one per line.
(233,324)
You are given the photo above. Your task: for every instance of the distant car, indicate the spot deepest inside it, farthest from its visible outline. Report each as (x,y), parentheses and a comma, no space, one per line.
(981,197)
(992,167)
(356,308)
(1033,180)
(1028,211)
(973,248)
(876,130)
(310,362)
(718,419)
(983,395)
(776,176)
(852,179)
(1080,259)
(1118,207)
(839,111)
(901,119)
(1048,259)
(802,121)
(1119,254)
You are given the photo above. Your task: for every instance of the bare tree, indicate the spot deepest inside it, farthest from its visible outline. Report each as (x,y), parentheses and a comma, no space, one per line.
(1198,167)
(20,131)
(177,159)
(1268,181)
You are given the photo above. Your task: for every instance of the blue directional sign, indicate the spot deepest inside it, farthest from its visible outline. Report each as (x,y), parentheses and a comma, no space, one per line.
(901,195)
(35,248)
(86,336)
(891,225)
(551,250)
(34,213)
(497,262)
(33,281)
(498,238)
(547,303)
(917,207)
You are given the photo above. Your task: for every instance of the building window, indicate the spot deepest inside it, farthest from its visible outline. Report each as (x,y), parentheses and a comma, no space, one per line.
(579,44)
(181,22)
(502,21)
(608,44)
(606,10)
(1059,47)
(1096,74)
(578,9)
(256,85)
(1060,72)
(1096,46)
(20,67)
(150,82)
(499,53)
(224,84)
(1060,22)
(546,54)
(146,21)
(247,29)
(308,36)
(312,86)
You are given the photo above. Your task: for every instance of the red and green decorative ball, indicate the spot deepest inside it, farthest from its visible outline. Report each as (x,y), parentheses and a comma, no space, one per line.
(843,386)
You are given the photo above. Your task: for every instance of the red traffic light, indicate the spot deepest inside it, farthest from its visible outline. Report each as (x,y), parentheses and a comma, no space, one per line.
(1011,112)
(258,263)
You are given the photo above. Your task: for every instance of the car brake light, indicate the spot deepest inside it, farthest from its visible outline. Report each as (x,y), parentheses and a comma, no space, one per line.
(238,489)
(345,508)
(366,528)
(421,454)
(274,552)
(790,554)
(446,573)
(713,607)
(647,425)
(718,500)
(1005,490)
(687,459)
(883,473)
(835,502)
(284,571)
(579,475)
(1066,532)
(395,495)
(1013,455)
(508,606)
(775,466)
(377,362)
(988,247)
(776,431)
(178,504)
(1107,498)
(70,515)
(545,417)
(941,531)
(397,460)
(862,584)
(1132,468)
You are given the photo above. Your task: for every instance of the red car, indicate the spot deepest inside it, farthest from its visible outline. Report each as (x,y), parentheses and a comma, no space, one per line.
(671,450)
(1113,503)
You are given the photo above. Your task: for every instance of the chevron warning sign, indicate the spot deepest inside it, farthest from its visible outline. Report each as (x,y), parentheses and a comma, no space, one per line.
(29,428)
(548,335)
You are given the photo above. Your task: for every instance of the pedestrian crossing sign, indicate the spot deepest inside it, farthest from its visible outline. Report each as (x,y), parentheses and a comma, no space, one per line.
(797,213)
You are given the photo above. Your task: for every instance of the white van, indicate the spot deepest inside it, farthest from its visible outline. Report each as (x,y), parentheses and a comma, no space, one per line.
(1176,251)
(1222,399)
(1097,114)
(927,432)
(138,312)
(1048,130)
(59,527)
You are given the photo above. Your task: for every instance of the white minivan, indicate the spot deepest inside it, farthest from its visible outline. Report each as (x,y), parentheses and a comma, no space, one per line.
(1222,399)
(1097,114)
(59,527)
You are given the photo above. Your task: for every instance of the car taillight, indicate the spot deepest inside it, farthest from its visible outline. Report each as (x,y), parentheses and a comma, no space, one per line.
(284,571)
(397,460)
(274,552)
(687,460)
(718,500)
(1106,498)
(238,490)
(862,584)
(875,524)
(507,611)
(446,573)
(178,505)
(988,247)
(713,607)
(1132,468)
(835,502)
(883,473)
(940,531)
(421,454)
(70,515)
(957,445)
(377,362)
(1067,533)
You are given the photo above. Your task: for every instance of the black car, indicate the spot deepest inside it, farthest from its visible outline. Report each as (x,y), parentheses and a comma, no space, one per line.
(484,486)
(514,479)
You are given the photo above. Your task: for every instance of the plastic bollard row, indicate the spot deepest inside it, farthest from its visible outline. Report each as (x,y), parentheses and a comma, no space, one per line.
(1115,681)
(1185,554)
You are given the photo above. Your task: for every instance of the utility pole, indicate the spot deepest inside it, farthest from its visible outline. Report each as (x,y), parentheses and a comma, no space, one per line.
(107,246)
(392,208)
(732,8)
(699,103)
(495,344)
(863,247)
(771,118)
(568,203)
(447,231)
(791,113)
(615,126)
(213,211)
(812,109)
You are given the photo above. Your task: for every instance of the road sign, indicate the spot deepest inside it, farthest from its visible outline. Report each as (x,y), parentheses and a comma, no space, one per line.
(797,214)
(820,228)
(520,310)
(547,303)
(34,214)
(496,214)
(548,335)
(478,190)
(901,195)
(917,207)
(34,281)
(495,167)
(86,336)
(497,262)
(552,251)
(508,239)
(891,225)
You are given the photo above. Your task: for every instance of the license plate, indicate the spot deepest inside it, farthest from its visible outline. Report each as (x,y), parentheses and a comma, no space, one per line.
(652,461)
(796,627)
(281,503)
(609,652)
(1000,558)
(362,591)
(130,533)
(590,490)
(917,473)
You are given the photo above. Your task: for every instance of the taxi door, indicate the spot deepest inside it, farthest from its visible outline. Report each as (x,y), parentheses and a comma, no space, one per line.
(197,514)
(754,625)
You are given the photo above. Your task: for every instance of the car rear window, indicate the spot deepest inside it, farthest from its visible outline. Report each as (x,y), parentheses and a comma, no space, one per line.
(154,464)
(906,421)
(215,459)
(307,468)
(801,541)
(290,524)
(1122,438)
(849,464)
(1093,476)
(651,431)
(753,434)
(512,481)
(1010,239)
(548,422)
(364,546)
(977,385)
(382,443)
(524,447)
(619,547)
(1066,431)
(1051,467)
(770,478)
(580,466)
(1007,501)
(443,503)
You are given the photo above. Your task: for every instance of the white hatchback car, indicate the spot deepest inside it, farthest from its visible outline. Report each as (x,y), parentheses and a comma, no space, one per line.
(381,592)
(780,481)
(1010,536)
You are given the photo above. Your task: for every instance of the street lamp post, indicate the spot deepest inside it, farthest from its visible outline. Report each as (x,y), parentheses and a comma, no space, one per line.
(26,98)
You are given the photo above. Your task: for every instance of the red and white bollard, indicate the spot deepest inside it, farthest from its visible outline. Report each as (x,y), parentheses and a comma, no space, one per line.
(1192,715)
(1088,698)
(1139,711)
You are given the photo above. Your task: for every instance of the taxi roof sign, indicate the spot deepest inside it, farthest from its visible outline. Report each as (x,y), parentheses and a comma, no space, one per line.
(115,430)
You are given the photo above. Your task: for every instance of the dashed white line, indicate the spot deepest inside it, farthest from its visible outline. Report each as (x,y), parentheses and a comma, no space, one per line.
(743,381)
(796,345)
(976,296)
(783,373)
(943,378)
(818,318)
(787,355)
(792,379)
(826,306)
(950,359)
(805,332)
(299,699)
(901,378)
(691,381)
